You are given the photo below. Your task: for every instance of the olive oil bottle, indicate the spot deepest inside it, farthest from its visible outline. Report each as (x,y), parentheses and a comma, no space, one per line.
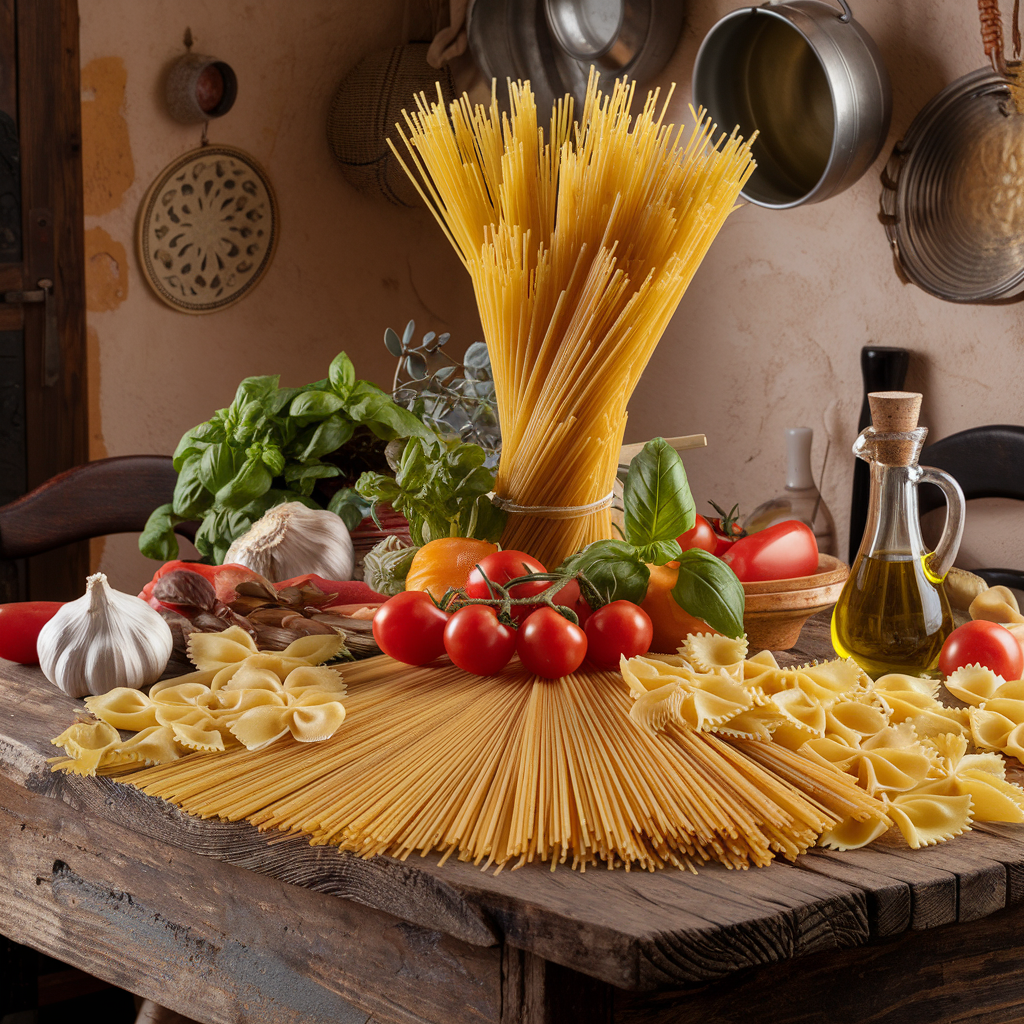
(893,614)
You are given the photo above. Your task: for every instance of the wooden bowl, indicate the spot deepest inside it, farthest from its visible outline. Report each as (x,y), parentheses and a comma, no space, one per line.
(776,610)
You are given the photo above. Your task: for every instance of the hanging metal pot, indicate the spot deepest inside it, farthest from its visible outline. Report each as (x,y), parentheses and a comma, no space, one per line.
(952,199)
(810,80)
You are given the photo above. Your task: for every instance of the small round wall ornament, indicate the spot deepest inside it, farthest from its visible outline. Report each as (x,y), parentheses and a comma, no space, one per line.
(207,229)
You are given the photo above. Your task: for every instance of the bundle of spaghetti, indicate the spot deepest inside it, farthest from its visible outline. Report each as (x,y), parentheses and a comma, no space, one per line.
(580,249)
(514,768)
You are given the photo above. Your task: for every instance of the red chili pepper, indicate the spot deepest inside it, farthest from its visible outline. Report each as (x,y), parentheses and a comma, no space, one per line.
(225,578)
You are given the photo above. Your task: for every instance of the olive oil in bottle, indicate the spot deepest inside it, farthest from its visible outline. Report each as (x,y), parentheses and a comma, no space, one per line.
(892,617)
(893,614)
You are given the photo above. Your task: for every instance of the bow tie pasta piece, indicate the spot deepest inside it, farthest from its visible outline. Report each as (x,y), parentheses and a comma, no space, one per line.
(215,650)
(253,677)
(196,729)
(851,834)
(929,818)
(235,702)
(315,717)
(711,700)
(315,649)
(185,694)
(85,743)
(928,716)
(709,652)
(654,709)
(155,745)
(123,708)
(852,722)
(993,799)
(798,718)
(828,681)
(897,682)
(997,604)
(974,684)
(317,678)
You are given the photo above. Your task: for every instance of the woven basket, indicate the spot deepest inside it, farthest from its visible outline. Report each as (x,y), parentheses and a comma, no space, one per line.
(364,111)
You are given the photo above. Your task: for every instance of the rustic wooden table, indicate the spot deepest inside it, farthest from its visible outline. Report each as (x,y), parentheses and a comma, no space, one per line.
(226,924)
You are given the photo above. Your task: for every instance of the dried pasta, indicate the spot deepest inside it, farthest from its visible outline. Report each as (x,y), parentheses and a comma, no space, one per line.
(579,248)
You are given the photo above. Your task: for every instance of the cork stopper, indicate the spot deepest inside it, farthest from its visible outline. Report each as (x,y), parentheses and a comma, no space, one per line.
(895,412)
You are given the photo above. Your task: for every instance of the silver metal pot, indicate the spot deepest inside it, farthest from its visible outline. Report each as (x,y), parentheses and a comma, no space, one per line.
(811,82)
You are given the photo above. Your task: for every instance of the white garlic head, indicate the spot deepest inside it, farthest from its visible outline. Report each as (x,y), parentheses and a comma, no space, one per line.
(291,539)
(103,640)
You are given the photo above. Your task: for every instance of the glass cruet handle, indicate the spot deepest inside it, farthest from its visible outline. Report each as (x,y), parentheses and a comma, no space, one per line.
(938,563)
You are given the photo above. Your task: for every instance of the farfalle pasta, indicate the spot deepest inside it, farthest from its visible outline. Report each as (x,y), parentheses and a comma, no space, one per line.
(239,697)
(894,735)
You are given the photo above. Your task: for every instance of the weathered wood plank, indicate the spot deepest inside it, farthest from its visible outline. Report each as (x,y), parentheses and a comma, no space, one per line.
(959,974)
(219,943)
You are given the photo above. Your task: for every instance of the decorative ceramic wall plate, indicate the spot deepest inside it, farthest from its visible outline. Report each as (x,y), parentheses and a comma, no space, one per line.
(207,229)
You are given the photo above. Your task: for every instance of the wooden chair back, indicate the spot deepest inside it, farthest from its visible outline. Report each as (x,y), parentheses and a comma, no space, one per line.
(92,500)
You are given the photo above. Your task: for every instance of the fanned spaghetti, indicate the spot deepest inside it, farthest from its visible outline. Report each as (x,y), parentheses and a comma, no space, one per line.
(517,768)
(579,249)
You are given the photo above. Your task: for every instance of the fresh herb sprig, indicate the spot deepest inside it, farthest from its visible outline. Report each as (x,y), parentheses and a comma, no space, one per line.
(442,488)
(658,507)
(268,447)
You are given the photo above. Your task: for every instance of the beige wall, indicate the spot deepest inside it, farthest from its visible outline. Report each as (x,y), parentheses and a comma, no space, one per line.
(768,336)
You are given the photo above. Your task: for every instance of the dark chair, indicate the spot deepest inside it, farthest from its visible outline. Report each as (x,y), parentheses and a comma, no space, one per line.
(987,462)
(98,498)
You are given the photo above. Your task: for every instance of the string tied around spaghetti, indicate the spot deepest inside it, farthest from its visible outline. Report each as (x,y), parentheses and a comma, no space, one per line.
(554,511)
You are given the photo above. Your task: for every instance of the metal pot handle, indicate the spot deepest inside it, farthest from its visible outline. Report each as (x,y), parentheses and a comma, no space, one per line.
(845,17)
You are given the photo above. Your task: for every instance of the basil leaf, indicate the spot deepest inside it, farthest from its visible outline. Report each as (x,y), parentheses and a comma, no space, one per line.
(248,484)
(485,521)
(708,589)
(330,434)
(191,497)
(350,505)
(255,388)
(220,527)
(276,402)
(157,539)
(314,405)
(342,375)
(218,464)
(660,552)
(304,478)
(614,568)
(656,496)
(197,440)
(368,404)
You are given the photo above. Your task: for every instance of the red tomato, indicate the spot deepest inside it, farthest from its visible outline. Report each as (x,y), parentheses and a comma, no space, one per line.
(982,643)
(701,536)
(502,567)
(780,552)
(20,624)
(477,642)
(409,627)
(727,529)
(616,629)
(550,645)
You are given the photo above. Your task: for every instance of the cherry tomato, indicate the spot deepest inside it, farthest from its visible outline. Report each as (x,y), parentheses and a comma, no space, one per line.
(477,642)
(780,552)
(701,536)
(20,624)
(409,627)
(502,567)
(550,645)
(616,629)
(727,530)
(982,643)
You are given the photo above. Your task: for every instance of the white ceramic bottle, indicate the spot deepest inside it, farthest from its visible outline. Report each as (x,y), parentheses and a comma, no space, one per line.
(801,498)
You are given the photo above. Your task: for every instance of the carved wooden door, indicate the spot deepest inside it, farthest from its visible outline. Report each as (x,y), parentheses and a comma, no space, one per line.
(42,318)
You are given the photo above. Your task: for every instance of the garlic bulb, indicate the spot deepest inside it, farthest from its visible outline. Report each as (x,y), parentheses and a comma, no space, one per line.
(103,640)
(292,539)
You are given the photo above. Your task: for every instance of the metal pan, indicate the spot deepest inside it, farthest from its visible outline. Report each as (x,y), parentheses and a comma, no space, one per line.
(952,198)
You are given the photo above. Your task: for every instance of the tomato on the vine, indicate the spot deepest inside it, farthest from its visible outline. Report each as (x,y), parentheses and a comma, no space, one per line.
(20,623)
(549,645)
(502,567)
(616,629)
(778,552)
(409,627)
(701,535)
(982,643)
(727,529)
(477,641)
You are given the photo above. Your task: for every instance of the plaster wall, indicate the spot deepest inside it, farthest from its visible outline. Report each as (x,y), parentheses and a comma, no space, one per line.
(768,336)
